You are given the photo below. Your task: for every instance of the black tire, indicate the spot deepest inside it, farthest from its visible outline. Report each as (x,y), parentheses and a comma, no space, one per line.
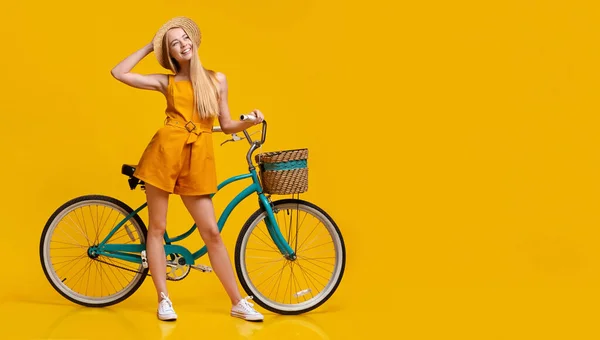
(267,303)
(57,284)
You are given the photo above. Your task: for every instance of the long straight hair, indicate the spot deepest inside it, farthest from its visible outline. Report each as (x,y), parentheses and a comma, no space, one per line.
(204,83)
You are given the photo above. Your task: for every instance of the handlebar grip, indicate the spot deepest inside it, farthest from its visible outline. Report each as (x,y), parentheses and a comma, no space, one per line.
(264,128)
(248,117)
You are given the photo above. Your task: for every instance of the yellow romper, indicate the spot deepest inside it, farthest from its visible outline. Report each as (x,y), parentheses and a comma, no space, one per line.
(180,157)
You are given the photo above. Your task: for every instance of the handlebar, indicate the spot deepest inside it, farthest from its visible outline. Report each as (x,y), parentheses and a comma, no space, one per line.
(247,117)
(264,129)
(253,144)
(251,118)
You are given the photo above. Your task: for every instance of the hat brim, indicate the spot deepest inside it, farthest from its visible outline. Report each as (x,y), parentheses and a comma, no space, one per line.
(187,24)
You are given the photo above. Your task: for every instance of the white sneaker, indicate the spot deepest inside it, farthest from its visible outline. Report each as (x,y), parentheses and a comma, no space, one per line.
(245,311)
(165,309)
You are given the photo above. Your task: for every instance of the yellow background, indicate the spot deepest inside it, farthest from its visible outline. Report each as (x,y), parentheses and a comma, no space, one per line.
(454,142)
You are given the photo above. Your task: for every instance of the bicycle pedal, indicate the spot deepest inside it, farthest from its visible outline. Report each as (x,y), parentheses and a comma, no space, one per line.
(144,259)
(202,268)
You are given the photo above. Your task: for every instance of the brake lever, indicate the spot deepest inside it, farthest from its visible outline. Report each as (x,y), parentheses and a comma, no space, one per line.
(235,138)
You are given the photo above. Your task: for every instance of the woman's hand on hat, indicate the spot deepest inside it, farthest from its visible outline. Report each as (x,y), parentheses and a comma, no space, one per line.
(148,48)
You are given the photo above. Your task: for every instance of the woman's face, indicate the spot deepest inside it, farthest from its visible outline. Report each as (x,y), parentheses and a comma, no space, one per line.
(180,45)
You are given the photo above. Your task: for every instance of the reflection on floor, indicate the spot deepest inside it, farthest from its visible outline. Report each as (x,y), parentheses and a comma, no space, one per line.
(135,319)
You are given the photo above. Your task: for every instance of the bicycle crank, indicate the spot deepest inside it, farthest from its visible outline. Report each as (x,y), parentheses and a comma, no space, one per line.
(175,270)
(202,268)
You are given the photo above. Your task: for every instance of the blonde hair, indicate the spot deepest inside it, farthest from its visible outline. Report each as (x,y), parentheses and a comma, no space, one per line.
(204,83)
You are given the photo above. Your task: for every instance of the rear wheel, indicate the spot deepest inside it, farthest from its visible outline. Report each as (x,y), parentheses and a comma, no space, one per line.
(291,286)
(84,278)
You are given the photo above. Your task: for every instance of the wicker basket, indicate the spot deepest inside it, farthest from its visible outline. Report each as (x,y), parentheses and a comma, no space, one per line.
(284,172)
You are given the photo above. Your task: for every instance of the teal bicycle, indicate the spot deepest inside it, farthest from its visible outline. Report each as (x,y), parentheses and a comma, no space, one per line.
(289,256)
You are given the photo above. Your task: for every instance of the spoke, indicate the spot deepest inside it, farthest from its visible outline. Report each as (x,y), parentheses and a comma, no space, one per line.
(111,270)
(101,271)
(294,289)
(110,211)
(82,217)
(292,219)
(291,279)
(271,276)
(290,226)
(301,244)
(257,257)
(277,260)
(320,245)
(120,237)
(103,222)
(267,236)
(87,285)
(77,217)
(317,259)
(73,244)
(298,225)
(75,261)
(125,264)
(79,271)
(266,266)
(86,266)
(274,283)
(287,285)
(105,276)
(313,272)
(107,221)
(71,237)
(114,223)
(300,287)
(316,265)
(99,274)
(92,218)
(55,263)
(270,251)
(268,244)
(71,247)
(78,228)
(101,218)
(308,280)
(280,278)
(67,256)
(316,237)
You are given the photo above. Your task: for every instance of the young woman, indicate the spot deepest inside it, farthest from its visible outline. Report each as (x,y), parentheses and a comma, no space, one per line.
(179,158)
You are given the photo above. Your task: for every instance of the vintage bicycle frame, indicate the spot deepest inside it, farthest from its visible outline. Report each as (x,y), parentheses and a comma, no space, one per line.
(131,252)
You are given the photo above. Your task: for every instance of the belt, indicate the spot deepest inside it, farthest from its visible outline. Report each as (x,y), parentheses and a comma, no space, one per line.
(194,129)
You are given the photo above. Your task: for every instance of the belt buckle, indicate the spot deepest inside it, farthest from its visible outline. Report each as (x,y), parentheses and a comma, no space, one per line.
(190,122)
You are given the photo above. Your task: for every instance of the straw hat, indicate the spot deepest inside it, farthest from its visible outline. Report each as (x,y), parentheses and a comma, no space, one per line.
(187,24)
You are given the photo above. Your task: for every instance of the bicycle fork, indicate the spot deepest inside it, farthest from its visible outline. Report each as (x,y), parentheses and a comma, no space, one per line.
(275,231)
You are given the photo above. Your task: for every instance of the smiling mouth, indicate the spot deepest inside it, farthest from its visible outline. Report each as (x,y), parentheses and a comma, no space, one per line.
(186,51)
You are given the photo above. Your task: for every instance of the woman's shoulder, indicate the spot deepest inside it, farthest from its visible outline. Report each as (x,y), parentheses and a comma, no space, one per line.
(220,76)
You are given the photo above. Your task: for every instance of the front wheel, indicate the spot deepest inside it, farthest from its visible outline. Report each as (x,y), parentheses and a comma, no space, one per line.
(287,286)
